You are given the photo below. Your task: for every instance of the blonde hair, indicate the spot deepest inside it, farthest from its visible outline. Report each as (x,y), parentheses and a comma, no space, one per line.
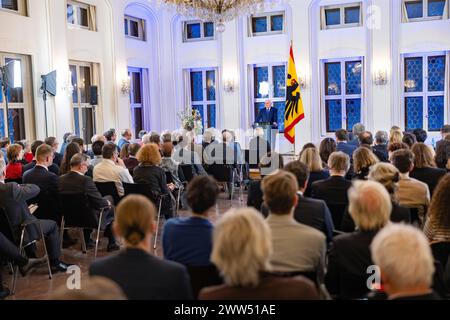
(423,156)
(134,218)
(242,247)
(149,154)
(395,136)
(386,174)
(339,161)
(363,158)
(95,288)
(280,192)
(369,205)
(311,157)
(404,255)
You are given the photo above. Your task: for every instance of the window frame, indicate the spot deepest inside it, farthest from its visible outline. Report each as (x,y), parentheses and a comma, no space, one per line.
(268,16)
(202,31)
(424,94)
(425,16)
(342,23)
(21,8)
(76,24)
(343,97)
(142,25)
(133,104)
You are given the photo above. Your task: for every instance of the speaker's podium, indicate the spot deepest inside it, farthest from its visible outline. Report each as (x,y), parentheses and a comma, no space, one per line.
(270,132)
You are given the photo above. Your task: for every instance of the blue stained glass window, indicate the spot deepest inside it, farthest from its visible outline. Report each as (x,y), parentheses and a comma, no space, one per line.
(435,113)
(199,108)
(259,24)
(353,75)
(279,81)
(414,113)
(333,17)
(436,8)
(333,78)
(353,109)
(413,74)
(70,14)
(261,75)
(211,115)
(258,107)
(76,120)
(414,9)
(333,110)
(208,29)
(210,85)
(352,15)
(193,30)
(276,22)
(196,86)
(436,73)
(1,92)
(281,107)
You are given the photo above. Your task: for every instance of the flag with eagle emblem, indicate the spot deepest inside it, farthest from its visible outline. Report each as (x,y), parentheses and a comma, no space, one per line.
(294,106)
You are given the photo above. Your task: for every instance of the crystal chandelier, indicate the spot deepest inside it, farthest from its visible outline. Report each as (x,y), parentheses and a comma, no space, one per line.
(218,11)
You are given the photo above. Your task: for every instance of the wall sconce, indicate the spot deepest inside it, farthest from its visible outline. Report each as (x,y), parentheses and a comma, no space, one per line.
(380,77)
(302,80)
(125,87)
(229,85)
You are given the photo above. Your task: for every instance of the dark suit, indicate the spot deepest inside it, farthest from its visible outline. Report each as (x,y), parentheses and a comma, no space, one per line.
(398,214)
(381,151)
(255,195)
(265,115)
(53,168)
(13,198)
(9,252)
(57,158)
(430,176)
(334,192)
(314,213)
(313,177)
(348,260)
(48,196)
(145,277)
(346,148)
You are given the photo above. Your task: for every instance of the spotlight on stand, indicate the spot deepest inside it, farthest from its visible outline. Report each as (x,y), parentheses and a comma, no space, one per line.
(48,86)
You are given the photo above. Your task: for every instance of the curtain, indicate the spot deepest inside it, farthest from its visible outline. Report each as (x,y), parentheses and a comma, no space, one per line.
(146,100)
(323,22)
(92,18)
(187,88)
(96,82)
(144,34)
(405,18)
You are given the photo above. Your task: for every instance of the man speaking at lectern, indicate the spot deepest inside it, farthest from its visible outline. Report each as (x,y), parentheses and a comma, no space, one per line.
(268,119)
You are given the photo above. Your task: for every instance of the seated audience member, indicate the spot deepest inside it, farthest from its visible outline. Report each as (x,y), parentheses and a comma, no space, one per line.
(76,182)
(124,152)
(72,149)
(170,165)
(188,240)
(437,226)
(97,147)
(13,199)
(27,155)
(208,138)
(242,249)
(326,148)
(342,145)
(110,136)
(311,158)
(388,176)
(296,247)
(189,153)
(334,189)
(442,156)
(14,169)
(363,159)
(421,135)
(112,168)
(54,144)
(411,192)
(131,161)
(424,166)
(395,135)
(53,168)
(166,136)
(65,142)
(366,139)
(406,263)
(125,139)
(47,182)
(380,147)
(92,289)
(392,147)
(155,138)
(311,212)
(95,138)
(141,275)
(141,134)
(258,147)
(4,144)
(357,129)
(445,132)
(409,139)
(78,141)
(349,256)
(149,172)
(270,163)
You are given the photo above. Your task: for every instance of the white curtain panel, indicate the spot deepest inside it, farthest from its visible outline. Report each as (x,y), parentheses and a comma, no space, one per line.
(146,106)
(92,18)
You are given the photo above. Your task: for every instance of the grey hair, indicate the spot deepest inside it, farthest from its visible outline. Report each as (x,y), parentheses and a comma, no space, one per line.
(358,128)
(381,137)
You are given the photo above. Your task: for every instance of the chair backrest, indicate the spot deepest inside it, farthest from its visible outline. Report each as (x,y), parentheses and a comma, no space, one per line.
(48,206)
(141,189)
(202,277)
(188,171)
(108,189)
(441,252)
(222,172)
(6,227)
(77,212)
(311,275)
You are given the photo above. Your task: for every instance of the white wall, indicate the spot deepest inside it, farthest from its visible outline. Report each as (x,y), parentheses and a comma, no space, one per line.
(45,36)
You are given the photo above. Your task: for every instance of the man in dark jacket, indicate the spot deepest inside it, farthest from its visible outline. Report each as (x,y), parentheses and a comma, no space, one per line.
(52,168)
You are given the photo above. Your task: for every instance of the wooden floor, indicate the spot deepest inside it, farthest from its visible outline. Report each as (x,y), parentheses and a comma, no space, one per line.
(37,286)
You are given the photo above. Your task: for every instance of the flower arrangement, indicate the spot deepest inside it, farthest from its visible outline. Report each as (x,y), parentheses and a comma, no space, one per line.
(191,120)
